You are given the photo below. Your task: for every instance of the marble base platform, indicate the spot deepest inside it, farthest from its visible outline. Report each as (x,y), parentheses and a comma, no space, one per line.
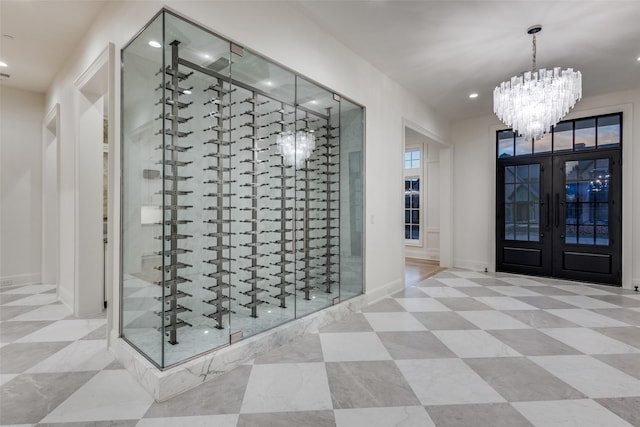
(164,384)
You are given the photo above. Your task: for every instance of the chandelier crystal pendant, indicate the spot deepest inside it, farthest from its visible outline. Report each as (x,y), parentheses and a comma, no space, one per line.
(535,101)
(295,147)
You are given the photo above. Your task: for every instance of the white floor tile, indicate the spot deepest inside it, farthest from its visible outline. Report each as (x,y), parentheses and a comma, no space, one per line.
(446,382)
(64,330)
(31,289)
(422,304)
(352,346)
(443,292)
(287,387)
(199,421)
(83,355)
(385,322)
(37,299)
(590,376)
(505,303)
(568,413)
(583,301)
(491,319)
(458,283)
(110,395)
(474,343)
(521,281)
(47,312)
(514,291)
(586,318)
(589,341)
(401,416)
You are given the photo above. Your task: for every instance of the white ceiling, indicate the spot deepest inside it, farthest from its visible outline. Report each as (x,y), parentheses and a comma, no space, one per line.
(439,50)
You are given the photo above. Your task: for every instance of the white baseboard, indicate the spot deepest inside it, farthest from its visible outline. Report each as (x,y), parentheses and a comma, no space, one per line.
(384,291)
(66,298)
(472,265)
(20,279)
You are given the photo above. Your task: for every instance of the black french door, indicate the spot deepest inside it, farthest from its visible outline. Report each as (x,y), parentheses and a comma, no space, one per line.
(559,213)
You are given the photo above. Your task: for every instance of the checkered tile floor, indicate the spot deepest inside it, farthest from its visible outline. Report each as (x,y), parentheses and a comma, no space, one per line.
(459,349)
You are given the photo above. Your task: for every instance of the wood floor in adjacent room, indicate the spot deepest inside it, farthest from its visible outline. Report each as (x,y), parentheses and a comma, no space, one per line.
(416,270)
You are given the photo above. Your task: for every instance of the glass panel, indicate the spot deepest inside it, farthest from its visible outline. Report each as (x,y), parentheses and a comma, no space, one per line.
(609,131)
(563,136)
(543,145)
(523,146)
(522,207)
(585,134)
(351,134)
(586,198)
(415,232)
(505,143)
(141,205)
(509,174)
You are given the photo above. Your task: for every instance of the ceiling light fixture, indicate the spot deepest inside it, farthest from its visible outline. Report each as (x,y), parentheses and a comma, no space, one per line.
(534,101)
(155,44)
(3,64)
(296,147)
(473,95)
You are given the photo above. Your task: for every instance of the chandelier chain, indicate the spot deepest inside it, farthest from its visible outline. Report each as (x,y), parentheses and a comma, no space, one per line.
(534,53)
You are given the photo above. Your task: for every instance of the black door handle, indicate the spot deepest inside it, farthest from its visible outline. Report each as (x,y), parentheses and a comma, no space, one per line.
(556,207)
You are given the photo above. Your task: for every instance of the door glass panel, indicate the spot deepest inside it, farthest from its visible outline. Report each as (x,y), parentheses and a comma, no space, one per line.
(585,134)
(521,203)
(608,131)
(563,136)
(587,202)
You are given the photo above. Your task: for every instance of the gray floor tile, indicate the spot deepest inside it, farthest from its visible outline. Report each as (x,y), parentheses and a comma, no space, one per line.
(28,398)
(444,321)
(519,379)
(463,304)
(629,335)
(119,423)
(414,345)
(540,319)
(627,363)
(627,408)
(489,281)
(385,305)
(288,419)
(544,302)
(10,311)
(622,314)
(18,357)
(531,342)
(477,415)
(368,384)
(353,323)
(619,300)
(12,331)
(410,292)
(5,298)
(302,350)
(98,334)
(220,396)
(548,290)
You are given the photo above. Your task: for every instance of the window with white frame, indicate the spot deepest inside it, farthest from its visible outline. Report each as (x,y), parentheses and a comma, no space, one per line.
(412,204)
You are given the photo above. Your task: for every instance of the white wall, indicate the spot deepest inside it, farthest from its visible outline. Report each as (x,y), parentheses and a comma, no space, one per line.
(281,33)
(474,183)
(21,115)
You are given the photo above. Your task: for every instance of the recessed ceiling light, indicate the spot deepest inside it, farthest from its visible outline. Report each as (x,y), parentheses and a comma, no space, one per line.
(206,56)
(473,95)
(269,83)
(155,44)
(638,59)
(3,64)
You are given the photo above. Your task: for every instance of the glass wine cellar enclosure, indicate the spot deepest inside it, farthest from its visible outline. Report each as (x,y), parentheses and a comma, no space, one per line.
(242,193)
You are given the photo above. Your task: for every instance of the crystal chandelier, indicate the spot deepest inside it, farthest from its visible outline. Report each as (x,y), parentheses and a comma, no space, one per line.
(295,147)
(533,102)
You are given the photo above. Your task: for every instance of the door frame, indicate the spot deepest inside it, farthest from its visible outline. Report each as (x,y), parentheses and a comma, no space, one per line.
(627,185)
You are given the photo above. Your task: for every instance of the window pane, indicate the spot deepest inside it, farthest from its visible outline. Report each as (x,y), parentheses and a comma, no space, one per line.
(407,232)
(543,145)
(608,131)
(585,134)
(509,174)
(523,146)
(563,136)
(415,232)
(505,143)
(412,159)
(415,216)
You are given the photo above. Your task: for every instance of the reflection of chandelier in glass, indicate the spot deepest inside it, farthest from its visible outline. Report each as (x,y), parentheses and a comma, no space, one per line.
(533,102)
(295,147)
